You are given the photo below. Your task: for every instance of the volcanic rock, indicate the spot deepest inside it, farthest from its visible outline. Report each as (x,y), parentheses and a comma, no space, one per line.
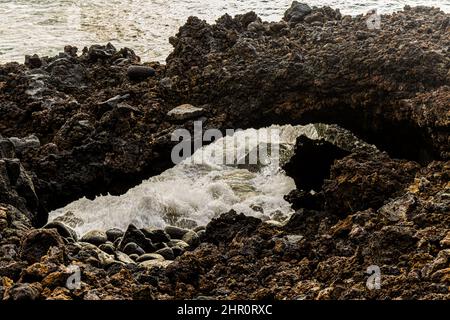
(139,73)
(95,237)
(176,232)
(136,236)
(37,243)
(297,12)
(185,112)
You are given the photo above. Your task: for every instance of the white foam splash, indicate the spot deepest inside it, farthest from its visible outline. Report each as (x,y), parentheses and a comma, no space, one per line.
(195,191)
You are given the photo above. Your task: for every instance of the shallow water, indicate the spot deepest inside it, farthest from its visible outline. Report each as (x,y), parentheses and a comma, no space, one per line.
(46,26)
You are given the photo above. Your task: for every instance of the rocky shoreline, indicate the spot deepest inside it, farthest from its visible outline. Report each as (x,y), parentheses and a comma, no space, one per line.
(86,124)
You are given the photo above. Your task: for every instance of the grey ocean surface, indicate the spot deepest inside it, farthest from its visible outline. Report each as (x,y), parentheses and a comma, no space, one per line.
(46,26)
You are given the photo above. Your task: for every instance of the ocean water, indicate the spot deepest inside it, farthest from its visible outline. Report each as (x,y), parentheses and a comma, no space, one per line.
(46,26)
(202,186)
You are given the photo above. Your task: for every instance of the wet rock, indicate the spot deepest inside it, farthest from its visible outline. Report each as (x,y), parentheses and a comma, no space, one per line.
(33,61)
(178,243)
(135,235)
(200,234)
(140,73)
(63,230)
(191,238)
(132,248)
(95,237)
(199,228)
(117,242)
(185,112)
(297,12)
(176,232)
(114,234)
(124,258)
(37,243)
(108,248)
(229,224)
(178,250)
(186,223)
(150,256)
(156,235)
(134,256)
(167,253)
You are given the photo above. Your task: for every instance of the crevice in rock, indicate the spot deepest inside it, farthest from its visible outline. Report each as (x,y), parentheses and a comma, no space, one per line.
(401,139)
(311,163)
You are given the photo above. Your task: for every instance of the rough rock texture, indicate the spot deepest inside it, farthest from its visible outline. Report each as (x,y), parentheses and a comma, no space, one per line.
(184,112)
(318,255)
(389,86)
(97,130)
(77,125)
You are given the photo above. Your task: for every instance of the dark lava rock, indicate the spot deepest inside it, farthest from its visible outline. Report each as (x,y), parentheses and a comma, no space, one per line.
(132,248)
(99,52)
(24,292)
(95,237)
(362,181)
(191,238)
(114,234)
(312,161)
(139,73)
(63,230)
(114,101)
(160,245)
(33,61)
(228,225)
(389,86)
(108,248)
(17,189)
(297,12)
(178,243)
(27,144)
(37,243)
(135,256)
(167,253)
(178,251)
(175,232)
(150,256)
(135,235)
(156,235)
(305,199)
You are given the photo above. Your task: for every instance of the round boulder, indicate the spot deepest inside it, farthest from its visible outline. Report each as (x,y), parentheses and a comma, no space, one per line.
(140,73)
(95,237)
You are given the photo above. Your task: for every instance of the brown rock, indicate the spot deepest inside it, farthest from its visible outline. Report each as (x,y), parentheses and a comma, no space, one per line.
(37,243)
